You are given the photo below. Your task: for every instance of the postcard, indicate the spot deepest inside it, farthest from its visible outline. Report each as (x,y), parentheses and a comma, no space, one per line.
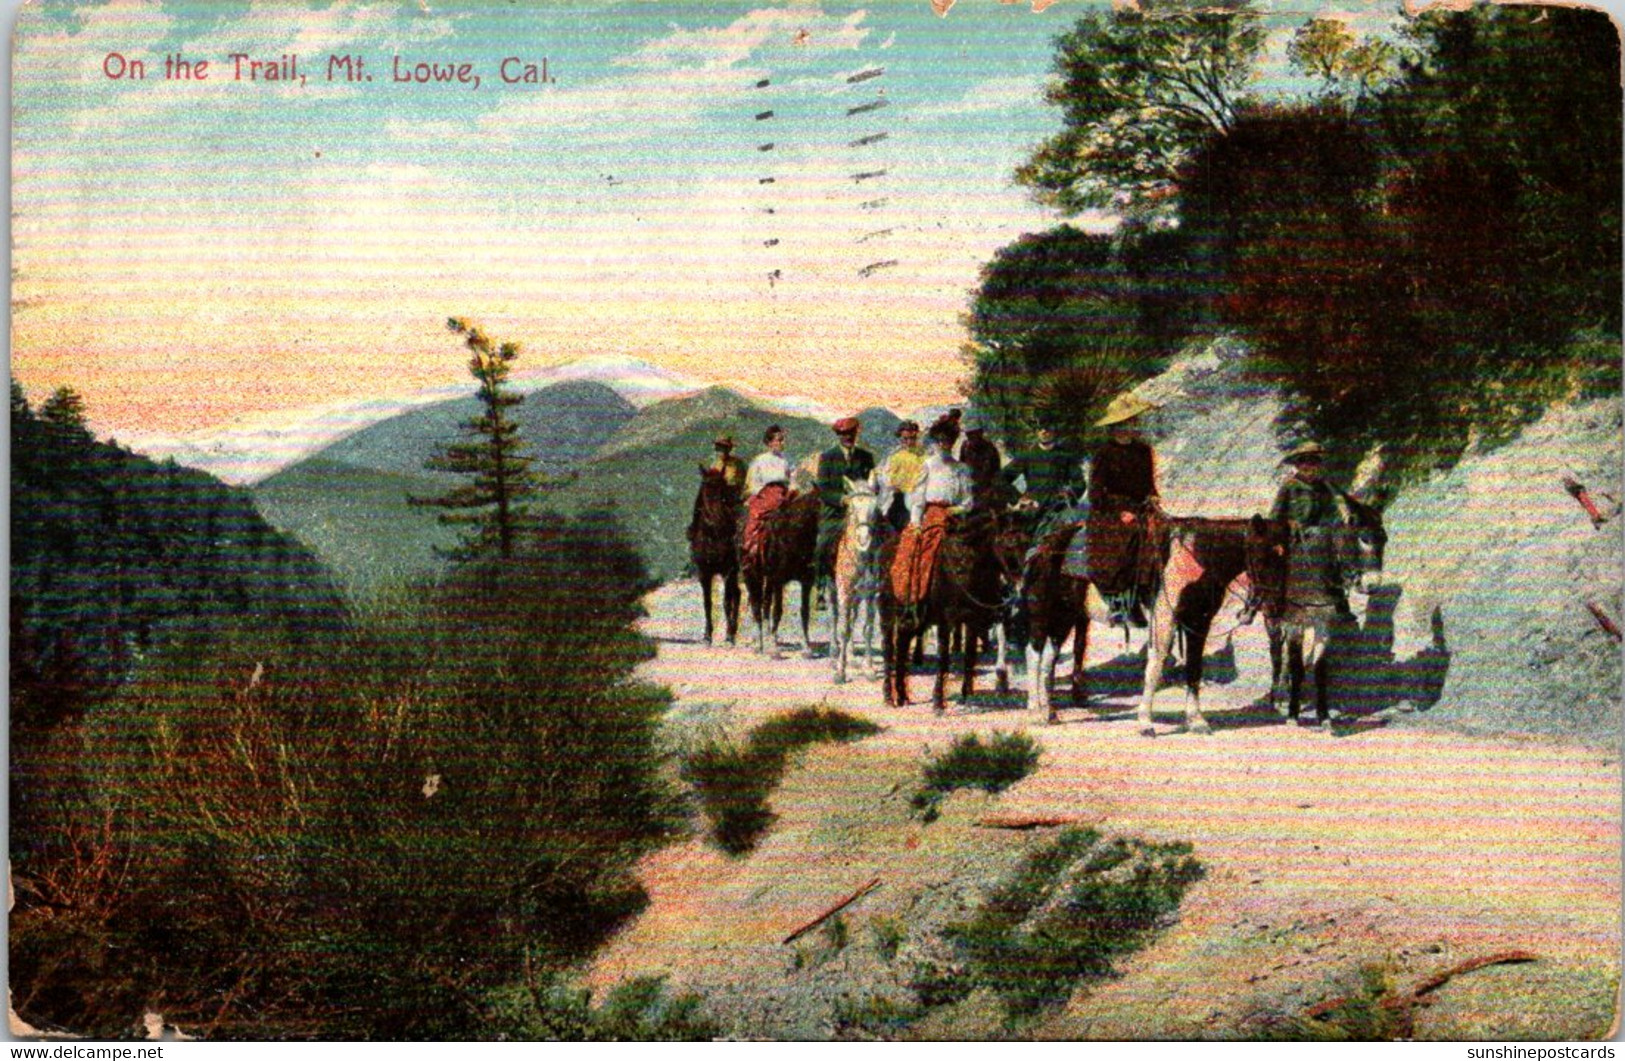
(815,520)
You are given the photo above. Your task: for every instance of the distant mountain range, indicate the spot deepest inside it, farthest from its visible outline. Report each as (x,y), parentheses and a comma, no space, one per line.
(251,451)
(348,500)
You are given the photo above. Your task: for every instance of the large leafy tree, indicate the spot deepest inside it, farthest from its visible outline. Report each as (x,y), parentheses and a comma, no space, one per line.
(1138,90)
(493,504)
(1064,319)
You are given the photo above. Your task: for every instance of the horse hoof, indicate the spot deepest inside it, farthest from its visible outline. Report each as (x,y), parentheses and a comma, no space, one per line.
(1201,728)
(1148,731)
(840,679)
(1054,719)
(1004,683)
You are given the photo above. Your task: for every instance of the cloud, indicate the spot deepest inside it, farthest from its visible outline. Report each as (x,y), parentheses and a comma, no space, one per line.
(789,35)
(997,94)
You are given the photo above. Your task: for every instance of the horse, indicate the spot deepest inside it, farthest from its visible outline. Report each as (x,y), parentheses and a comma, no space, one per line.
(1200,558)
(1057,606)
(1301,612)
(787,554)
(857,574)
(963,593)
(713,545)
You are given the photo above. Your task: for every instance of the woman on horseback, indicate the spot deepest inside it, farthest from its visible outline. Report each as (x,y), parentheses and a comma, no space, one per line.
(943,491)
(767,485)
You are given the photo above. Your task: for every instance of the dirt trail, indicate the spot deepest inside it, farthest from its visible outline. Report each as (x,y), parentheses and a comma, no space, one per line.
(1392,844)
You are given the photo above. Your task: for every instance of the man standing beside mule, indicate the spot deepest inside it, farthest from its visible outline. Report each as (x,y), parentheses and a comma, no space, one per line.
(1307,500)
(842,461)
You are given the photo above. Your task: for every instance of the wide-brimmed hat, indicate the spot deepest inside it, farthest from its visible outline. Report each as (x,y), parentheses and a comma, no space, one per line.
(723,440)
(846,425)
(907,426)
(1123,408)
(946,429)
(1305,451)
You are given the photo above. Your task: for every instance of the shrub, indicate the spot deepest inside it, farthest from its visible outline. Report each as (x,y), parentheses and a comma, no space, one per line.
(992,767)
(733,781)
(640,1010)
(1065,914)
(365,835)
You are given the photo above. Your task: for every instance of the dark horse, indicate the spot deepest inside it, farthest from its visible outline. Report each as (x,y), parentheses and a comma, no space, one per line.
(713,545)
(964,594)
(789,547)
(1200,558)
(1300,609)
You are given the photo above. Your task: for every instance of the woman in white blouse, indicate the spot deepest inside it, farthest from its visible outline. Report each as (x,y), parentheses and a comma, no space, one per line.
(767,485)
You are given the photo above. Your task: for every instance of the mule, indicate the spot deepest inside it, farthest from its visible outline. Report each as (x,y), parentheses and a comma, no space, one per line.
(1301,616)
(963,594)
(1057,606)
(857,575)
(713,546)
(1200,559)
(788,553)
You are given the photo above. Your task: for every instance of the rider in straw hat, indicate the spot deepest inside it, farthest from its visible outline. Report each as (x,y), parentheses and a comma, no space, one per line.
(1123,501)
(731,467)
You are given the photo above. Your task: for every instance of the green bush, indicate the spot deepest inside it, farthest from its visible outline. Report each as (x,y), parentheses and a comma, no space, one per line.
(1065,914)
(365,835)
(734,781)
(640,1010)
(992,767)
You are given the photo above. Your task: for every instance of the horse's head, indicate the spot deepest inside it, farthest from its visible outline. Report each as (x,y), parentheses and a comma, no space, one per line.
(1361,549)
(862,503)
(1269,548)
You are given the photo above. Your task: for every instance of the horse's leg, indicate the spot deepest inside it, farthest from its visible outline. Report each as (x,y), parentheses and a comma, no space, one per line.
(1195,645)
(806,619)
(973,645)
(1323,709)
(939,692)
(705,592)
(1035,676)
(1047,658)
(869,608)
(1159,638)
(1294,659)
(1276,634)
(842,617)
(755,590)
(730,603)
(1001,663)
(1080,649)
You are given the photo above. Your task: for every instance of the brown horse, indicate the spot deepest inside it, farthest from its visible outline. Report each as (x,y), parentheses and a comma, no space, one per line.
(1057,607)
(1200,559)
(788,550)
(964,594)
(713,545)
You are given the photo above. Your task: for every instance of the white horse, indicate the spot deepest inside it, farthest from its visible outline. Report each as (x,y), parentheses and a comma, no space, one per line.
(857,575)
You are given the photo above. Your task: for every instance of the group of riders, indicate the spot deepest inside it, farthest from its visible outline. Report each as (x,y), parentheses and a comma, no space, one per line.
(958,470)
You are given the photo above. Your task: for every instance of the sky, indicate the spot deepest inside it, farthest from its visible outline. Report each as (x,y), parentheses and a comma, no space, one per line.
(194,253)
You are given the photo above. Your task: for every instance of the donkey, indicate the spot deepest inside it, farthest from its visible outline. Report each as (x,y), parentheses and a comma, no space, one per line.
(713,545)
(1301,613)
(964,592)
(1200,559)
(857,574)
(788,550)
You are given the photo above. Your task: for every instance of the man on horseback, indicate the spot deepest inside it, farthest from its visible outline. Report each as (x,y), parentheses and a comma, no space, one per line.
(767,485)
(842,461)
(1123,510)
(731,467)
(981,457)
(1306,500)
(901,473)
(1051,477)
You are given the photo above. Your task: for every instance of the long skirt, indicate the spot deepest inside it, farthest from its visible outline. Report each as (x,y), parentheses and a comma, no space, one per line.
(757,510)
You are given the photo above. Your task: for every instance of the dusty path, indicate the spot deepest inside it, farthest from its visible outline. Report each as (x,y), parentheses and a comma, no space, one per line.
(1394,845)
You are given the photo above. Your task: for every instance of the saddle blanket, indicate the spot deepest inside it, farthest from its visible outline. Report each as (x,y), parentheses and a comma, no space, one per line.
(916,559)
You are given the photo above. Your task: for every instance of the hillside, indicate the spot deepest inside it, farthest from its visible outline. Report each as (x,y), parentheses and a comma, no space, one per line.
(1482,621)
(646,473)
(563,424)
(348,502)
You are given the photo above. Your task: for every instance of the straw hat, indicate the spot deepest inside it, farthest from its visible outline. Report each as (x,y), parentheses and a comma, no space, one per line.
(1124,407)
(1305,451)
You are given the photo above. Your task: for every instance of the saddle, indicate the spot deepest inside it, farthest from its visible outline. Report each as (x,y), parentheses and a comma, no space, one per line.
(914,565)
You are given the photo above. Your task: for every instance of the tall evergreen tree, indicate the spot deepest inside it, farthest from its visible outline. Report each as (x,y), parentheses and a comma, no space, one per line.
(493,504)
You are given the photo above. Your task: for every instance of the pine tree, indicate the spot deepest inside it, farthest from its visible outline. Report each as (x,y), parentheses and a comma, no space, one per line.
(493,503)
(63,413)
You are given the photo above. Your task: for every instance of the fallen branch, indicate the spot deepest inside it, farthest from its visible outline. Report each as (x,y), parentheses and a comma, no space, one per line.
(1017,822)
(1416,996)
(1581,494)
(1608,625)
(1511,957)
(832,911)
